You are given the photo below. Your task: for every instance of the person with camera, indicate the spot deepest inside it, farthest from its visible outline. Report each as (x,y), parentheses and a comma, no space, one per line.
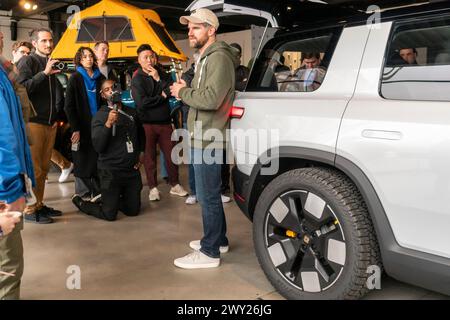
(37,75)
(118,137)
(82,103)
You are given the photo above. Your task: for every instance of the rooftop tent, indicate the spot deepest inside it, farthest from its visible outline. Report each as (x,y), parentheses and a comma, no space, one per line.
(124,26)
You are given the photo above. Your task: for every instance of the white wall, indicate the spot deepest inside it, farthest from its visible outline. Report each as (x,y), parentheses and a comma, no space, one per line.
(23,28)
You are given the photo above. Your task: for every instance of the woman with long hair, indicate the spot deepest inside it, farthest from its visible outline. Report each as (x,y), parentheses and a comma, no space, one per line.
(82,103)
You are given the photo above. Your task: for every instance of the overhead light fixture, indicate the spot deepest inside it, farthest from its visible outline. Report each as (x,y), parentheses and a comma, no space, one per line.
(27,6)
(30,5)
(35,6)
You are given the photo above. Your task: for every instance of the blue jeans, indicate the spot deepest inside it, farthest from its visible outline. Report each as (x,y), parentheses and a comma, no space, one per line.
(207,183)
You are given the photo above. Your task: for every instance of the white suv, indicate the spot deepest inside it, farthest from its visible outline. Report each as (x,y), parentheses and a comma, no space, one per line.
(362,152)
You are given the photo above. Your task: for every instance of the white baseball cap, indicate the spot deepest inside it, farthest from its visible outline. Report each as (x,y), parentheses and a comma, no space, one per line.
(201,15)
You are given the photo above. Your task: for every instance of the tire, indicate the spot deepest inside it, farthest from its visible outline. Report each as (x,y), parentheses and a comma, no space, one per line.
(313,235)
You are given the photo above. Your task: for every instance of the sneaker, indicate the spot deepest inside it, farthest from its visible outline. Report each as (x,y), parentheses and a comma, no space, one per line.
(192,199)
(225,199)
(49,212)
(178,191)
(38,218)
(154,195)
(96,199)
(196,246)
(197,260)
(77,201)
(65,174)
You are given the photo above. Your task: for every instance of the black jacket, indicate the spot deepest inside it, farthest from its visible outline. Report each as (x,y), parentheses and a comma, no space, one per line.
(152,108)
(112,151)
(77,104)
(45,92)
(79,115)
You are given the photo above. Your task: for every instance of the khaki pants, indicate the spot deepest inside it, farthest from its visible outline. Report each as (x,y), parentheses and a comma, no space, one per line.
(11,261)
(58,159)
(41,153)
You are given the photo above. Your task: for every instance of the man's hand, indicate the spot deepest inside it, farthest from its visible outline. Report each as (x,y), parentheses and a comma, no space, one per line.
(75,137)
(175,88)
(8,222)
(112,118)
(154,74)
(48,68)
(18,205)
(140,162)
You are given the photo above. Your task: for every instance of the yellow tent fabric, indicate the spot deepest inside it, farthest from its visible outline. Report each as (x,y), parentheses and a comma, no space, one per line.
(124,26)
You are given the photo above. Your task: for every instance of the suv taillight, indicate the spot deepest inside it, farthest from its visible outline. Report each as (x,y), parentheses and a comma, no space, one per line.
(236,112)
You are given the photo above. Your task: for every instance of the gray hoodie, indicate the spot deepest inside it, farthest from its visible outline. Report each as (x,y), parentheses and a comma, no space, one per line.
(211,95)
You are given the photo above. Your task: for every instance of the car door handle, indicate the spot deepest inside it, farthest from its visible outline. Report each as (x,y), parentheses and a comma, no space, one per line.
(382,134)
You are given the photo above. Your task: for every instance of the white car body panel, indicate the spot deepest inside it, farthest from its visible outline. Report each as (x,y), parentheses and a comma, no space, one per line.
(403,147)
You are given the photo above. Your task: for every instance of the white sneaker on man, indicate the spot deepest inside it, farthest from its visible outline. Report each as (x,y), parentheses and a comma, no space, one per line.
(225,199)
(196,246)
(154,194)
(65,174)
(192,199)
(178,190)
(197,260)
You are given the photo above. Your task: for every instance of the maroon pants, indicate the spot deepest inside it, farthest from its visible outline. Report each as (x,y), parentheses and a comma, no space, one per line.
(159,134)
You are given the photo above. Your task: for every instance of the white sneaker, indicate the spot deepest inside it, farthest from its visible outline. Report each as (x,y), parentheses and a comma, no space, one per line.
(197,260)
(178,190)
(225,199)
(196,246)
(65,174)
(191,199)
(96,198)
(154,195)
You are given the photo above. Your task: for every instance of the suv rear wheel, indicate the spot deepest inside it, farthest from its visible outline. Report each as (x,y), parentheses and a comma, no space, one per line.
(313,235)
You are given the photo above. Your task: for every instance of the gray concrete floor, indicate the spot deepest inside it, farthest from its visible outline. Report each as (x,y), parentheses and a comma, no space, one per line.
(132,258)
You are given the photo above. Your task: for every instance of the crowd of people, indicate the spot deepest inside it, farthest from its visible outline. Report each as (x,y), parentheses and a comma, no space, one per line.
(110,141)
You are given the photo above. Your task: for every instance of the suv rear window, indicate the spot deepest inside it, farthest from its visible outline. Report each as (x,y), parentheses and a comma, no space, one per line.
(417,62)
(294,63)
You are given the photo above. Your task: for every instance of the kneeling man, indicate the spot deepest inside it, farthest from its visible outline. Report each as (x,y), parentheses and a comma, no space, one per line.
(118,161)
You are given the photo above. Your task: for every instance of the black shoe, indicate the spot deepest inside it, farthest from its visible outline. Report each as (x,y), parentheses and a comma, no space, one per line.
(77,201)
(50,212)
(36,217)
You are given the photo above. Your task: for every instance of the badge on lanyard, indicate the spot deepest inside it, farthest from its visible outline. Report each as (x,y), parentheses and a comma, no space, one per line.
(130,148)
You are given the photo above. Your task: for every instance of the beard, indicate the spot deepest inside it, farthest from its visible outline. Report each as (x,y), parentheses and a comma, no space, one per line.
(198,44)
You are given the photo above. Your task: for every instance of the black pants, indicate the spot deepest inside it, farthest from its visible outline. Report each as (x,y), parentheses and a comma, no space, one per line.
(120,191)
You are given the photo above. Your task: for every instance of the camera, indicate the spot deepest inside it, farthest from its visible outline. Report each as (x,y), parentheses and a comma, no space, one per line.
(59,66)
(116,96)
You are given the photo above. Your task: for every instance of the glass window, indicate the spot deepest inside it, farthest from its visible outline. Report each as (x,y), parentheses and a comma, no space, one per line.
(105,28)
(417,63)
(162,34)
(294,63)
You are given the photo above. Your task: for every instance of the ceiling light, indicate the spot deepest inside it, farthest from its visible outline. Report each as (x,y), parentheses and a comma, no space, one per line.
(35,6)
(27,6)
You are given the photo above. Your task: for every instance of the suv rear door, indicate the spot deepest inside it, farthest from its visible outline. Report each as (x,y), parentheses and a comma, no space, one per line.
(397,129)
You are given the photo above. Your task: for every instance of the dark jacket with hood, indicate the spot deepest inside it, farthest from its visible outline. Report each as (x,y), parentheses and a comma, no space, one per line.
(45,92)
(151,106)
(211,94)
(112,151)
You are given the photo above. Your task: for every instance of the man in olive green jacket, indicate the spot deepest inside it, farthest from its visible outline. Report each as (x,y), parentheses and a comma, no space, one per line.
(210,98)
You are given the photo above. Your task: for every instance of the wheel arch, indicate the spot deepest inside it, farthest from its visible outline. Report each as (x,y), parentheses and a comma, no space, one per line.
(400,263)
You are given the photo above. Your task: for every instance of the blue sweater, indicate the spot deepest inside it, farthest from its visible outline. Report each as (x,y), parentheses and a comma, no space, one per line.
(15,157)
